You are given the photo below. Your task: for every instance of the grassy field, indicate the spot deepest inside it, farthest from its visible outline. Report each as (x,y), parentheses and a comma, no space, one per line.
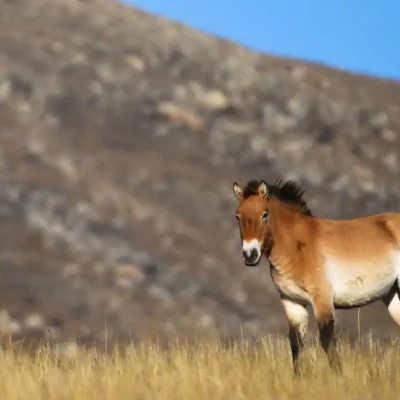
(204,371)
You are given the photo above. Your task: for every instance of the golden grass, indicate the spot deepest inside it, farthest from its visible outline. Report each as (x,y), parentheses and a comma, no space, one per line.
(203,371)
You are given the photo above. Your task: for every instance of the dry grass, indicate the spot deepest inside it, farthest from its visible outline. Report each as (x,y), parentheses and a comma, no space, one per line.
(205,371)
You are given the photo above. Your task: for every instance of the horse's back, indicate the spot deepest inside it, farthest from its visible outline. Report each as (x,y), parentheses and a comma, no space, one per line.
(360,237)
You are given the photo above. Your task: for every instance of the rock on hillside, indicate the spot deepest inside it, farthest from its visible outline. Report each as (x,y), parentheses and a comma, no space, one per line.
(121,134)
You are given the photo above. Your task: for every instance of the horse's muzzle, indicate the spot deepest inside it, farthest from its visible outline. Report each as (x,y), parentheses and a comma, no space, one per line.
(251,257)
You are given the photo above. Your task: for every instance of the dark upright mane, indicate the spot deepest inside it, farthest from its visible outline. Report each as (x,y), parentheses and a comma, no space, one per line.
(288,192)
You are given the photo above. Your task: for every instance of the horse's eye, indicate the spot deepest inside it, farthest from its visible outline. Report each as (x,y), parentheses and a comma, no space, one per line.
(237,217)
(264,216)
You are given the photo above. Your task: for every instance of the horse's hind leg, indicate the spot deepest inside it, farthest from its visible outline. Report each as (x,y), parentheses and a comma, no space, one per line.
(392,302)
(297,316)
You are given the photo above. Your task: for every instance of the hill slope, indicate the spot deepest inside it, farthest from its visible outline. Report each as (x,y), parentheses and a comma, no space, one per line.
(121,135)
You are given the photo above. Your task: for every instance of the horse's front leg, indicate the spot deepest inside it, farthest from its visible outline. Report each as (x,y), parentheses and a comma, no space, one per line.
(297,316)
(325,316)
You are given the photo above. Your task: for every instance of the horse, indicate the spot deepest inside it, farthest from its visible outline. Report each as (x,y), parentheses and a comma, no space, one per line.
(329,264)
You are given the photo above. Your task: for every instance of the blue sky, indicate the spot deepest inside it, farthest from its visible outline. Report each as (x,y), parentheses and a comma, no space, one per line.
(357,35)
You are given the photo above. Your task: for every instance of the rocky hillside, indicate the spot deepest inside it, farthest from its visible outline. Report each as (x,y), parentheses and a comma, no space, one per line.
(121,135)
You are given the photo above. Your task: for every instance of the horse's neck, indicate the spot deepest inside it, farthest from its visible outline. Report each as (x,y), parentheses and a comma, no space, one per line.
(283,233)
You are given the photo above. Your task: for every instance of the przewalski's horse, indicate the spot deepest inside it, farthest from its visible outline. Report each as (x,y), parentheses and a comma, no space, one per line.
(329,264)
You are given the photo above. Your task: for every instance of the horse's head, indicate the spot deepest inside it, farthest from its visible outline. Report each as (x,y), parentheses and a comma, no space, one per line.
(252,215)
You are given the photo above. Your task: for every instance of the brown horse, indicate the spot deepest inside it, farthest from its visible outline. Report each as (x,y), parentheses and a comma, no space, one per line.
(328,264)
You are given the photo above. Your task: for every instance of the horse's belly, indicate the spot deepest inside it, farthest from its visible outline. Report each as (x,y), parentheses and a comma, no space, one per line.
(354,287)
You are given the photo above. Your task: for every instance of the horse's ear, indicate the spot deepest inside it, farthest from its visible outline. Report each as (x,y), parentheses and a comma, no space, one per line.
(263,189)
(238,191)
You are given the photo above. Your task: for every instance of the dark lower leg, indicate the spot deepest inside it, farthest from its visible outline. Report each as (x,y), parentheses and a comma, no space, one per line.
(296,345)
(328,342)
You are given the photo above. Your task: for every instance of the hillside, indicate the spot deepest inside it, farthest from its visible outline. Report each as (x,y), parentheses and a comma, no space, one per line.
(121,135)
